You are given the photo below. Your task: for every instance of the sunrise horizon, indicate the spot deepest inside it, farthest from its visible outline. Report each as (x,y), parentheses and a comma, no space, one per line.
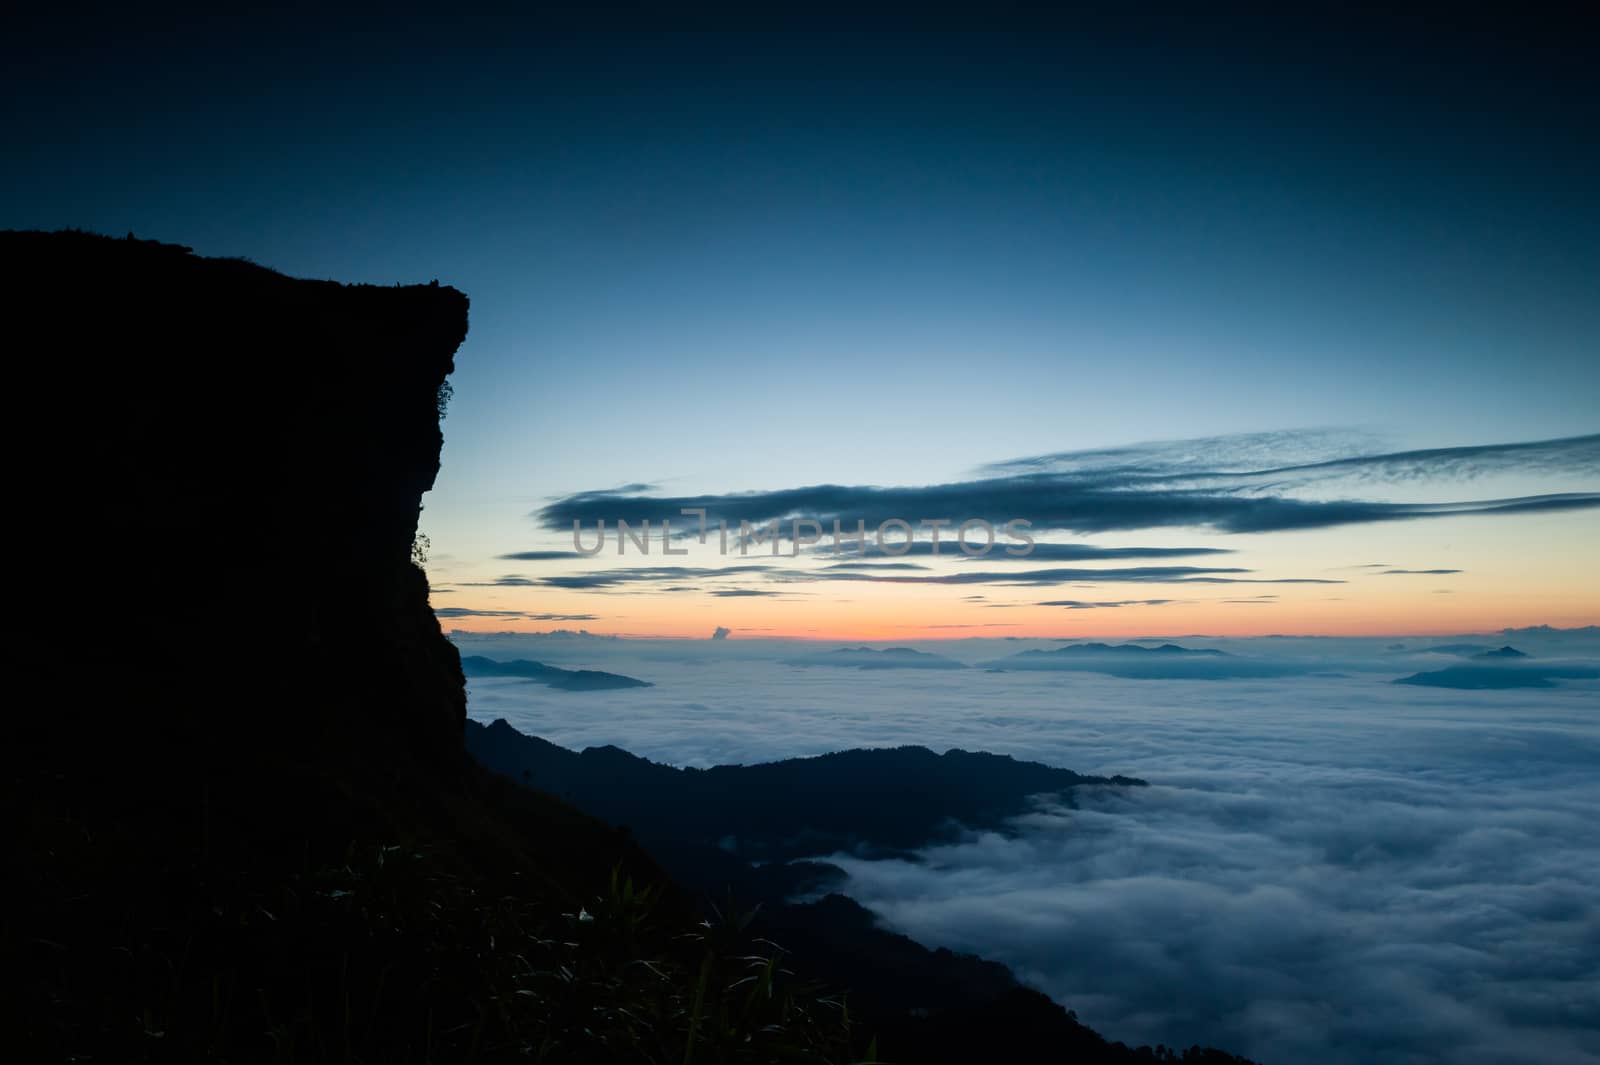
(659,535)
(1478,538)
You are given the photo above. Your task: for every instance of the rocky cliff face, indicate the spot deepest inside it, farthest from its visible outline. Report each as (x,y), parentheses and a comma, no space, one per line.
(242,825)
(226,475)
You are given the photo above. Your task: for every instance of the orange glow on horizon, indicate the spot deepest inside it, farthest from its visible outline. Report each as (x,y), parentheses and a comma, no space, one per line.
(1465,576)
(880,622)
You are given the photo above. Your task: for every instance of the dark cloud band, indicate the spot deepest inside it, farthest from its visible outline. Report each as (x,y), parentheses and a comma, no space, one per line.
(1129,489)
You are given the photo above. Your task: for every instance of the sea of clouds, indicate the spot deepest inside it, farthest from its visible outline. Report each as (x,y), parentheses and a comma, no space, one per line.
(1326,867)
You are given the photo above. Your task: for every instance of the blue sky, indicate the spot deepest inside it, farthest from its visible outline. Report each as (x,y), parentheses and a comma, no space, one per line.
(724,263)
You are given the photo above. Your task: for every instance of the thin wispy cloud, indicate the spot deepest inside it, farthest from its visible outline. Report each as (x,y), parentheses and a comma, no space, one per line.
(1076,604)
(1067,575)
(539,556)
(450,612)
(876,566)
(624,575)
(1317,454)
(1197,484)
(1040,551)
(667,577)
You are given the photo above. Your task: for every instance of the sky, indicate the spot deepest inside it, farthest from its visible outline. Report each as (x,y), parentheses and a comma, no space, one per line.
(996,274)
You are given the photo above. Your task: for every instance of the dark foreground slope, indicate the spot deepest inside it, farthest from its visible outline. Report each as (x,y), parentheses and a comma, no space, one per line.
(225,843)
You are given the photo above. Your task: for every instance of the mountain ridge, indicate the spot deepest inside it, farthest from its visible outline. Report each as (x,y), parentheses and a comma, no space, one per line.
(549,676)
(886,799)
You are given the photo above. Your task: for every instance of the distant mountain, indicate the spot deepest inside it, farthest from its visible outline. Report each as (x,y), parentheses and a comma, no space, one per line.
(1128,650)
(1168,661)
(888,658)
(1472,650)
(1465,650)
(1505,652)
(463,635)
(1134,648)
(572,680)
(885,800)
(1486,678)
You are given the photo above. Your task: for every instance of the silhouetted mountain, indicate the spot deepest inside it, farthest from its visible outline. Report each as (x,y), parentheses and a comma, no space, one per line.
(728,832)
(572,680)
(1169,661)
(1134,650)
(1479,678)
(888,658)
(1505,652)
(890,799)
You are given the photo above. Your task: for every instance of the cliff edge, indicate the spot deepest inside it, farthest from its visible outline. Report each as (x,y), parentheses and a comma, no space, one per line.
(229,467)
(244,825)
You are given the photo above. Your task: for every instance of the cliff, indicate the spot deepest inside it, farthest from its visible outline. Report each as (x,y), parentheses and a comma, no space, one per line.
(229,463)
(244,825)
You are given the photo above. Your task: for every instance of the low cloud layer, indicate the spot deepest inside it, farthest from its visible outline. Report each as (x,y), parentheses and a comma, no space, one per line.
(1327,867)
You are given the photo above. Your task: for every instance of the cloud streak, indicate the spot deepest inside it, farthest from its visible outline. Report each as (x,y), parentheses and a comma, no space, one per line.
(1077,604)
(1040,552)
(1183,484)
(1080,575)
(449,612)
